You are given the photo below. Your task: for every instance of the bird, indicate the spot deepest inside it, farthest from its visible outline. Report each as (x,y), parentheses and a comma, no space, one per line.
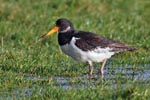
(86,46)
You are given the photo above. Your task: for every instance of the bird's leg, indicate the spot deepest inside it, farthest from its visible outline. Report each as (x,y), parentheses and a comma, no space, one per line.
(90,70)
(101,71)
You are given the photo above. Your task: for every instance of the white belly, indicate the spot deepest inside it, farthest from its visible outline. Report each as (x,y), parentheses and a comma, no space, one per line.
(97,55)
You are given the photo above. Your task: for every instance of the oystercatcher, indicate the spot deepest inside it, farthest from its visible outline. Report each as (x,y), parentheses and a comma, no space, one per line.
(85,46)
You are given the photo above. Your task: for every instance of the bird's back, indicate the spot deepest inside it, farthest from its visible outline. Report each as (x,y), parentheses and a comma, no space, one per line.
(90,41)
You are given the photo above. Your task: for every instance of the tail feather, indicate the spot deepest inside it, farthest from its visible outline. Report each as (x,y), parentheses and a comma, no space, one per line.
(131,49)
(122,49)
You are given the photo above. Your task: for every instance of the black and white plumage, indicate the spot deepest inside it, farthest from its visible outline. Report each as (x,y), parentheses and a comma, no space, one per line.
(86,46)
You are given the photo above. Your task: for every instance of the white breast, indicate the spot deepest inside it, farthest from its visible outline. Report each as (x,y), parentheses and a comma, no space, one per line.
(96,55)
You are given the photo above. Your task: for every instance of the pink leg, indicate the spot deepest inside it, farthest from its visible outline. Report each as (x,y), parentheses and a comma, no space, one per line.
(90,70)
(101,71)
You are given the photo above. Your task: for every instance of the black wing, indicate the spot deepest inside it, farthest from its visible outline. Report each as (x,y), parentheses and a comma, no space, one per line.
(89,41)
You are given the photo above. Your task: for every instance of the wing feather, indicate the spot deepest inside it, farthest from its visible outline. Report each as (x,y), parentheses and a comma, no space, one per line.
(90,41)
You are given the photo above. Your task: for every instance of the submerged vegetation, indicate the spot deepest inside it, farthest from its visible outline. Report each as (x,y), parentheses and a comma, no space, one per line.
(39,70)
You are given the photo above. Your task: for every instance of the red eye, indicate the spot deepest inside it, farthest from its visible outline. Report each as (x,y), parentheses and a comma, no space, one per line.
(62,23)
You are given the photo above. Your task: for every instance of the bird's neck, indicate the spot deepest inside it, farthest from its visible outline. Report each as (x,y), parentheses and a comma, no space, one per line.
(65,38)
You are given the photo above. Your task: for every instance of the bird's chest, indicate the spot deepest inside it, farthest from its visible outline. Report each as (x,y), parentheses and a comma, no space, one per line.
(66,49)
(70,50)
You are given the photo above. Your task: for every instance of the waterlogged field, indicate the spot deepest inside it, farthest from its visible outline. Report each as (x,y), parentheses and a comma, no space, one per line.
(42,71)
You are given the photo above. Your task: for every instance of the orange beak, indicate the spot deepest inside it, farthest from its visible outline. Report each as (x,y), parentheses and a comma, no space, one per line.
(53,30)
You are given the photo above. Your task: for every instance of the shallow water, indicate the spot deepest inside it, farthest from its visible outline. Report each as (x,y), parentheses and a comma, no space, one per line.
(80,82)
(143,76)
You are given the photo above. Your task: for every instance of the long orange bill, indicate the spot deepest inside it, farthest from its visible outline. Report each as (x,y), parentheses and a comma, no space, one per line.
(53,30)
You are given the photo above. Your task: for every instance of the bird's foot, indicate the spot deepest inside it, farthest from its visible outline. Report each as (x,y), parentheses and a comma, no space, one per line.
(90,76)
(101,73)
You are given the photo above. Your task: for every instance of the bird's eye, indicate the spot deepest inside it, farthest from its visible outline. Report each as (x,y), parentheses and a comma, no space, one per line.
(62,23)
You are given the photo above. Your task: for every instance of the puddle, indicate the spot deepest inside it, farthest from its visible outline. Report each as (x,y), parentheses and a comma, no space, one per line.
(81,82)
(111,75)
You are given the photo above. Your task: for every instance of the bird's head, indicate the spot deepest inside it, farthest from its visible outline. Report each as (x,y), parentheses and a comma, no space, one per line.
(62,26)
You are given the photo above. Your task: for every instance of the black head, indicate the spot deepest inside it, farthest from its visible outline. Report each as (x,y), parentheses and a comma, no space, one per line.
(64,25)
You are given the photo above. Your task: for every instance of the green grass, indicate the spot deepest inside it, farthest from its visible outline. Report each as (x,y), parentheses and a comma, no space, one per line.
(23,21)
